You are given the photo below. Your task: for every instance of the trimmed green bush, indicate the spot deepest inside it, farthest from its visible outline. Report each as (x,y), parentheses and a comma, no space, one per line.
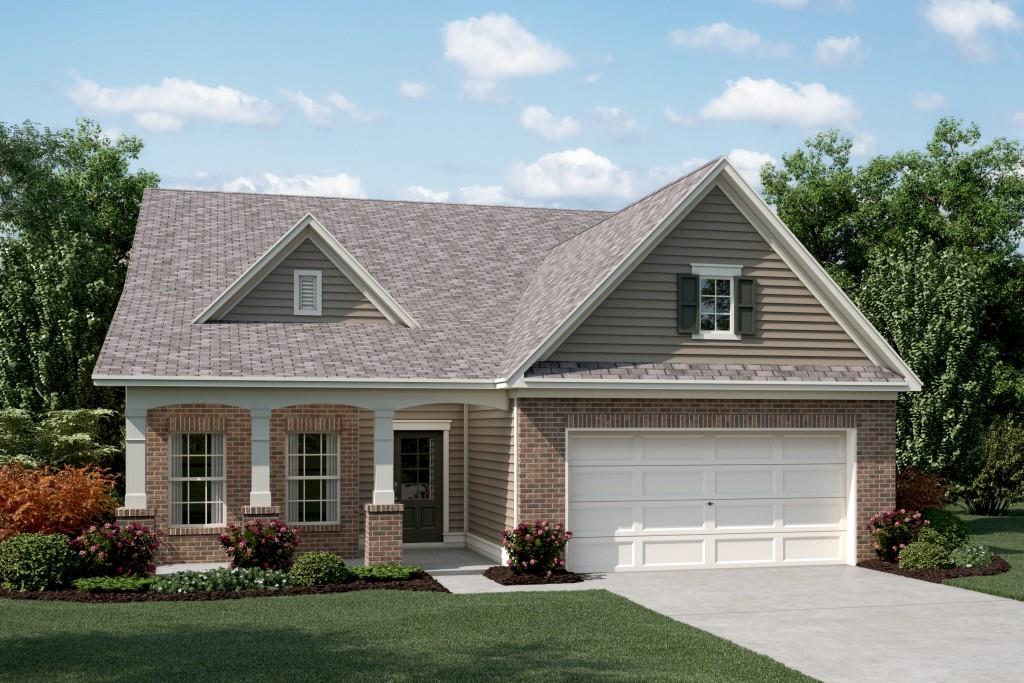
(924,555)
(948,525)
(113,584)
(971,556)
(35,562)
(387,572)
(250,579)
(319,568)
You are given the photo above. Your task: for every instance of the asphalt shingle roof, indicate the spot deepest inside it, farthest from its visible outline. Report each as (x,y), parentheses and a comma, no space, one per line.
(710,372)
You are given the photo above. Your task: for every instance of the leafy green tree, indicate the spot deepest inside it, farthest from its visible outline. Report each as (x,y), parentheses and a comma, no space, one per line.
(59,437)
(69,200)
(996,481)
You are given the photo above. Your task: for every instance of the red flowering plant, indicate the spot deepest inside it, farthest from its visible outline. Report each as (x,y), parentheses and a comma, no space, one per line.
(894,530)
(537,548)
(269,545)
(115,550)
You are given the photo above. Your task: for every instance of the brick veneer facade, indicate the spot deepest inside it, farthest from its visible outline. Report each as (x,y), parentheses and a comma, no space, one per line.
(542,423)
(383,534)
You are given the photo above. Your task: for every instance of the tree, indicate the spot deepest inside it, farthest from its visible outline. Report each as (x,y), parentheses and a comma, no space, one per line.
(68,205)
(59,437)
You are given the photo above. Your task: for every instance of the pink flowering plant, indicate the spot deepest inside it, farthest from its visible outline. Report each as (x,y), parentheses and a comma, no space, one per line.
(266,545)
(537,548)
(115,550)
(894,530)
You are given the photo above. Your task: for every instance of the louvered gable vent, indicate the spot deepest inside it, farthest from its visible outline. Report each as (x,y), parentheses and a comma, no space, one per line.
(308,292)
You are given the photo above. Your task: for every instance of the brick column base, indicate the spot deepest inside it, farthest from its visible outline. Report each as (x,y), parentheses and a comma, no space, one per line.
(143,516)
(383,537)
(261,513)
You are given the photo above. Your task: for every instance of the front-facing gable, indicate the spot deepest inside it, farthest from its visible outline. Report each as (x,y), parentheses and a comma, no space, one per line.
(638,321)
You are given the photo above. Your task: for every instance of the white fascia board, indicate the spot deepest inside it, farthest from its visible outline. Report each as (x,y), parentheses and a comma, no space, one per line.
(335,252)
(621,270)
(814,277)
(289,382)
(717,385)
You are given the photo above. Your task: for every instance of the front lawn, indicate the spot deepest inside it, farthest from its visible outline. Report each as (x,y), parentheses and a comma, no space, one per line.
(378,635)
(1005,535)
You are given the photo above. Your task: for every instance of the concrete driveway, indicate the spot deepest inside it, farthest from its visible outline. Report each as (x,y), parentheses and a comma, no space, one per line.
(843,623)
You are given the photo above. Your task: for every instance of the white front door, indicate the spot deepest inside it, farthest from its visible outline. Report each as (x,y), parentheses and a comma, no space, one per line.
(643,500)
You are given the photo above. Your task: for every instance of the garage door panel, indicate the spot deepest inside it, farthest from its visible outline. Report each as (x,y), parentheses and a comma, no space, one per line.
(744,448)
(672,553)
(601,519)
(679,482)
(746,482)
(604,450)
(826,548)
(827,480)
(744,550)
(674,449)
(589,483)
(672,517)
(604,554)
(814,448)
(744,515)
(814,513)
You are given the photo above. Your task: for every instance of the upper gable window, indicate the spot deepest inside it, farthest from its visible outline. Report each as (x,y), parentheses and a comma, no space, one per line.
(715,302)
(309,295)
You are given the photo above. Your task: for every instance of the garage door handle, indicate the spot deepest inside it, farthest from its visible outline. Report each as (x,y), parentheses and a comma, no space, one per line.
(710,503)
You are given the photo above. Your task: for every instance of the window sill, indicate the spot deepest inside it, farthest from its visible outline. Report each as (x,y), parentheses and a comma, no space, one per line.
(197,530)
(716,336)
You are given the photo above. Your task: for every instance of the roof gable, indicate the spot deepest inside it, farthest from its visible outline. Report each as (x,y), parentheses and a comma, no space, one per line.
(353,276)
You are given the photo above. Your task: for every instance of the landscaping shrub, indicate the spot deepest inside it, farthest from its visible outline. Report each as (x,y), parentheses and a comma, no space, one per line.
(894,530)
(386,572)
(971,556)
(113,584)
(267,545)
(916,490)
(115,550)
(949,526)
(35,562)
(996,481)
(249,579)
(924,555)
(319,568)
(536,548)
(53,501)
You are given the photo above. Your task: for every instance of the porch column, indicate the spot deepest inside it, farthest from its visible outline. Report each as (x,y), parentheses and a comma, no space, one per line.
(135,459)
(384,457)
(259,488)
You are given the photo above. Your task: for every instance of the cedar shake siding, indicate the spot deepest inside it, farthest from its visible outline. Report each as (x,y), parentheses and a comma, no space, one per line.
(272,299)
(491,485)
(637,322)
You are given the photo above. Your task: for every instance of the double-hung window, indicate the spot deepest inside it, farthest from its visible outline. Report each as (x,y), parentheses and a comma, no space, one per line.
(715,302)
(312,475)
(197,479)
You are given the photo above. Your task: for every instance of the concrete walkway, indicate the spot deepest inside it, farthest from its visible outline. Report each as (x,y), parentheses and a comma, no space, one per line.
(461,571)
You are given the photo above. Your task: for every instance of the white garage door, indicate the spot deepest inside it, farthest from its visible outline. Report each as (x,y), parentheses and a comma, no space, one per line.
(675,500)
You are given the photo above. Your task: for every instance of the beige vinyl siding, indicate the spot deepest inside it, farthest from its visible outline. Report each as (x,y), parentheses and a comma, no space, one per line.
(439,411)
(637,321)
(491,495)
(272,300)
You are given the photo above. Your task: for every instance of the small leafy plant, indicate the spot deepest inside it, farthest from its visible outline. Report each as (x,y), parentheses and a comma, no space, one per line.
(115,550)
(894,530)
(387,572)
(35,562)
(924,555)
(319,568)
(247,579)
(971,556)
(948,527)
(269,545)
(113,584)
(537,548)
(53,501)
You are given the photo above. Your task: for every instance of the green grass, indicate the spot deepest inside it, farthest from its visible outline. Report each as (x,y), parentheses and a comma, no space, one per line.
(1005,536)
(368,635)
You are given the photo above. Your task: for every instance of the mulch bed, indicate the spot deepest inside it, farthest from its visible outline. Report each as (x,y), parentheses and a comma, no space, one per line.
(507,577)
(422,582)
(998,566)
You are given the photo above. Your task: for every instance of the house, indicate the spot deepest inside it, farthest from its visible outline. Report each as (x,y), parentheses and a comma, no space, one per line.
(679,382)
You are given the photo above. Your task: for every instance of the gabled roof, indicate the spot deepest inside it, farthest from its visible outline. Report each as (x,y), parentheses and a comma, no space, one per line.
(479,294)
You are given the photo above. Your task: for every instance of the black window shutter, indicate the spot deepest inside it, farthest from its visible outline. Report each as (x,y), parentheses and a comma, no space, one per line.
(746,323)
(689,304)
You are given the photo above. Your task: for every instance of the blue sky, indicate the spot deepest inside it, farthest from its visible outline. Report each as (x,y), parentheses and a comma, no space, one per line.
(577,104)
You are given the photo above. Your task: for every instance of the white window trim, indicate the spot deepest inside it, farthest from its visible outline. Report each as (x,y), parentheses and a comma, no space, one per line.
(718,271)
(318,275)
(337,479)
(176,480)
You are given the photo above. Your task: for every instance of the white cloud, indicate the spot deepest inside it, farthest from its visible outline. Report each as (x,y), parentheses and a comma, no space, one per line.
(768,101)
(593,77)
(318,114)
(722,36)
(616,121)
(351,109)
(749,162)
(484,194)
(340,185)
(835,50)
(539,120)
(574,174)
(418,193)
(495,47)
(928,101)
(864,144)
(677,119)
(1017,118)
(112,134)
(413,89)
(967,22)
(171,104)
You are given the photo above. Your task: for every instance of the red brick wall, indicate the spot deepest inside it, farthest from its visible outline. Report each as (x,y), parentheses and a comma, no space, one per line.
(542,423)
(185,544)
(383,536)
(341,538)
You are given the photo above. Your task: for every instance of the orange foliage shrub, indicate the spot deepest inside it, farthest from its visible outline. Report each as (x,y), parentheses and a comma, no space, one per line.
(916,490)
(53,501)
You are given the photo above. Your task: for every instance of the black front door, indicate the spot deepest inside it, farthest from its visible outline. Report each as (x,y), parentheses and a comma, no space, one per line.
(419,486)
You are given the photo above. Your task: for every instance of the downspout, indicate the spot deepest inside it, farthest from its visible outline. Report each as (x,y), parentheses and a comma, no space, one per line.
(465,469)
